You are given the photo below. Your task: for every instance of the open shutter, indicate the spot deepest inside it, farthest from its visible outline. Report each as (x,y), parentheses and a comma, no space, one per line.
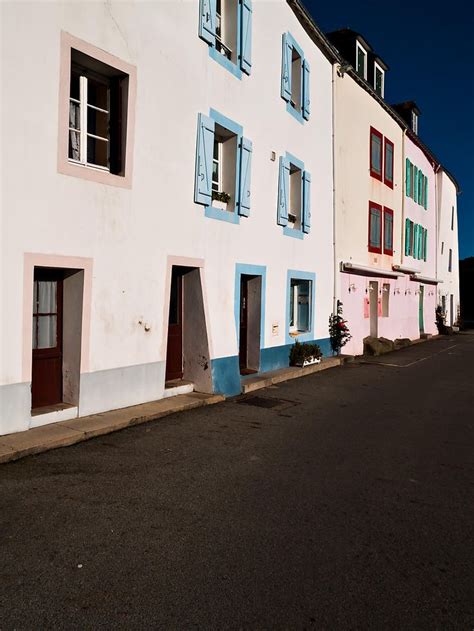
(207,21)
(245,173)
(204,152)
(246,36)
(425,244)
(426,194)
(283,192)
(306,98)
(407,237)
(306,201)
(420,238)
(286,69)
(407,178)
(415,241)
(415,184)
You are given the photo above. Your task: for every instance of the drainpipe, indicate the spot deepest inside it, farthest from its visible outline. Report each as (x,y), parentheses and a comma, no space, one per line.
(335,266)
(404,176)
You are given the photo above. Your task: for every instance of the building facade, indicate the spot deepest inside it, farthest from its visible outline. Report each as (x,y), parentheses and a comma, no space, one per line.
(175,222)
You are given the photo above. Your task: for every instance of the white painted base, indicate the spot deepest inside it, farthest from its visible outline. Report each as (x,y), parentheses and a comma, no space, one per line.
(54,417)
(173,392)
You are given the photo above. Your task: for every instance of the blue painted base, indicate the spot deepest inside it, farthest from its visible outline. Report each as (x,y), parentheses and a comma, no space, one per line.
(226,372)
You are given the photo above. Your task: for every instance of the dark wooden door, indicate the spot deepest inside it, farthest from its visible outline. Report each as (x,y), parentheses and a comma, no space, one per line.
(47,377)
(243,331)
(174,352)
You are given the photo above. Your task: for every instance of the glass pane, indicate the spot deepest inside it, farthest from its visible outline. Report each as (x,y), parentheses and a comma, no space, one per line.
(47,296)
(46,332)
(74,145)
(388,232)
(74,91)
(389,163)
(376,153)
(303,305)
(35,341)
(375,228)
(292,303)
(74,115)
(360,62)
(97,94)
(97,123)
(378,82)
(97,152)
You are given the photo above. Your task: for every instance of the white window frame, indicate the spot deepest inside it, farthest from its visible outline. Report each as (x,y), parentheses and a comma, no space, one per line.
(359,45)
(83,133)
(294,328)
(414,122)
(217,160)
(220,24)
(382,72)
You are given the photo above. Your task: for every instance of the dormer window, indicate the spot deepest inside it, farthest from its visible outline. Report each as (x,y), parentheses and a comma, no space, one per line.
(379,79)
(361,60)
(414,122)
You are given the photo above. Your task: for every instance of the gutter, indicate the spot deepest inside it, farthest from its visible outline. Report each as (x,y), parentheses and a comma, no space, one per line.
(405,270)
(426,279)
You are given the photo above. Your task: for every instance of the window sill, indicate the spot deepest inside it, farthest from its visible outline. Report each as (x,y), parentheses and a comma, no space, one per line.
(297,115)
(93,174)
(225,63)
(296,233)
(222,215)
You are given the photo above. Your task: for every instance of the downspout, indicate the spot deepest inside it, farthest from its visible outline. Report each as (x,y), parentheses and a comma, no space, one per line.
(335,266)
(404,179)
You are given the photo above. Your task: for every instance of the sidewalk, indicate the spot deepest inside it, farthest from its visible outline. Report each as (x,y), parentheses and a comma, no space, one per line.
(65,433)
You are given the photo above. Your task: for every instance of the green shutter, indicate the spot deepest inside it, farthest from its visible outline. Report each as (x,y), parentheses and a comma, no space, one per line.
(407,178)
(425,244)
(420,187)
(415,184)
(426,193)
(415,241)
(407,237)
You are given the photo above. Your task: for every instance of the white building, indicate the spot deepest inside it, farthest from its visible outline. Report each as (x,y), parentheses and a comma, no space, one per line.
(166,199)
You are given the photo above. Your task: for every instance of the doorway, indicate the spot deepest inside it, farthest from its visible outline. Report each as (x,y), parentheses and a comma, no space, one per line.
(421,321)
(451,309)
(374,308)
(47,360)
(174,350)
(249,325)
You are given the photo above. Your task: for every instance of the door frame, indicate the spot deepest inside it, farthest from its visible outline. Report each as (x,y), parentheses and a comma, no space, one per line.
(179,276)
(243,269)
(421,308)
(374,308)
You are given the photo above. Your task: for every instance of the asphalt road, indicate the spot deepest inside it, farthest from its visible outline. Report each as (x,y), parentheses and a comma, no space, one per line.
(348,504)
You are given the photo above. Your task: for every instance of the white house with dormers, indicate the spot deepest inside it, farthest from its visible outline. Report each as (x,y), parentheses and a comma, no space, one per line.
(171,219)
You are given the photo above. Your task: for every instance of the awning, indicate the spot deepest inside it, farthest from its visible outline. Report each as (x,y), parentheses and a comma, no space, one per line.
(365,269)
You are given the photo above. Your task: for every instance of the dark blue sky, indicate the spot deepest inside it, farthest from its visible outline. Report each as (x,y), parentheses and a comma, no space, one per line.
(429,48)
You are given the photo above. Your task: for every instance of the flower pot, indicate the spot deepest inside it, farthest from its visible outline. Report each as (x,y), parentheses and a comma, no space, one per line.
(217,204)
(309,361)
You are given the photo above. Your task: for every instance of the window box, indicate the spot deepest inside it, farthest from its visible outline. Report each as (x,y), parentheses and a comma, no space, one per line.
(303,355)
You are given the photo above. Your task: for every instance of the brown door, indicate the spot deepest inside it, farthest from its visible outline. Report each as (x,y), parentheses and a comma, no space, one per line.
(243,331)
(47,377)
(174,352)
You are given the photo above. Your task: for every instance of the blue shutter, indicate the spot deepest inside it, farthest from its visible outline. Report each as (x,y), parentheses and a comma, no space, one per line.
(246,36)
(286,69)
(407,178)
(204,153)
(207,21)
(306,99)
(283,192)
(245,173)
(306,201)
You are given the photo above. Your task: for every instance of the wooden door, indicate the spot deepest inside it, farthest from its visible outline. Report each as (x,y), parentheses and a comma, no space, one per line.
(174,352)
(47,366)
(243,329)
(421,320)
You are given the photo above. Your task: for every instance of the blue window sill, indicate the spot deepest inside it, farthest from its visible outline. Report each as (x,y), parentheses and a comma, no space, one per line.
(222,215)
(307,336)
(297,115)
(292,232)
(225,63)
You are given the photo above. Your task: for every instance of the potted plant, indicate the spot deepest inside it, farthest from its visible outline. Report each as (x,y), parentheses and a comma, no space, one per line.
(305,354)
(220,199)
(338,330)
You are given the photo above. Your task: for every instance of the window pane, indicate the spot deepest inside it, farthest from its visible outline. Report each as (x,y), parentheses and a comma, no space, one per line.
(360,62)
(35,295)
(47,296)
(46,332)
(97,94)
(74,145)
(388,232)
(378,81)
(303,305)
(389,162)
(97,151)
(376,152)
(97,123)
(74,91)
(34,338)
(74,115)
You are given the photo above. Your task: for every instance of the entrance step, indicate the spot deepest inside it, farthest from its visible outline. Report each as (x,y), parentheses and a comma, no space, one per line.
(263,380)
(177,386)
(34,441)
(425,336)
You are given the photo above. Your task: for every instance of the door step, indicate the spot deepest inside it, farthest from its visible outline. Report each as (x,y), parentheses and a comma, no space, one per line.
(177,386)
(425,336)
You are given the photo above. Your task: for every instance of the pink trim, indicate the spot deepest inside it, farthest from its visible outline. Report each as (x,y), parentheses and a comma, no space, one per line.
(64,165)
(52,260)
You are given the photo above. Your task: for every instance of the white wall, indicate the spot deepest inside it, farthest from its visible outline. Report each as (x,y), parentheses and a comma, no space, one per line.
(447,199)
(129,233)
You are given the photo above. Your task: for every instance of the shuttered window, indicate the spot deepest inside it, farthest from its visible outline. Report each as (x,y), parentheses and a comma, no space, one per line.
(375,228)
(376,142)
(294,196)
(388,231)
(295,78)
(388,162)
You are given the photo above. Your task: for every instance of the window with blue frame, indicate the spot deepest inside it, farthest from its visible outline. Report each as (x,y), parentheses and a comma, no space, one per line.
(300,305)
(295,75)
(223,168)
(226,26)
(294,197)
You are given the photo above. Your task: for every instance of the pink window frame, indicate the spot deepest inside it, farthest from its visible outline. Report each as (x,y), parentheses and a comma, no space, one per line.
(65,166)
